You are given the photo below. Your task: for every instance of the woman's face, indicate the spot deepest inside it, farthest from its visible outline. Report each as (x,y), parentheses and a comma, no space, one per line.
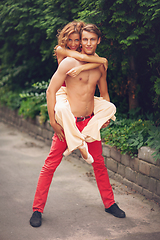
(73,41)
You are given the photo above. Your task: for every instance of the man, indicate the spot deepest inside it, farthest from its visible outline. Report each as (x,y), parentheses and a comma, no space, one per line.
(80,92)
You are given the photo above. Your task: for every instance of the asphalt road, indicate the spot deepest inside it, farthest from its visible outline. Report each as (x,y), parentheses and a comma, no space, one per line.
(74,210)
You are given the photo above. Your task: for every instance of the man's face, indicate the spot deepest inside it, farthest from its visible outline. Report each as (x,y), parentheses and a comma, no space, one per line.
(89,42)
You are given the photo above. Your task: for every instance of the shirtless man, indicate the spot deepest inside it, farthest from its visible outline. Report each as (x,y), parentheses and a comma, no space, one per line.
(80,92)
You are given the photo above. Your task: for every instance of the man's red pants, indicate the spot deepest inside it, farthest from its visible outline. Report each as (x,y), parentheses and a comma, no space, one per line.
(53,160)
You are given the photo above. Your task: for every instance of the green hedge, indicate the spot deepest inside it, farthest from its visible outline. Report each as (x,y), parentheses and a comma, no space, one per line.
(128,134)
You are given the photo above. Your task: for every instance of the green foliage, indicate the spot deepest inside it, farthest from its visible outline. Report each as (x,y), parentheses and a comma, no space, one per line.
(157,86)
(30,107)
(43,113)
(130,42)
(130,31)
(25,42)
(154,141)
(33,101)
(128,135)
(9,98)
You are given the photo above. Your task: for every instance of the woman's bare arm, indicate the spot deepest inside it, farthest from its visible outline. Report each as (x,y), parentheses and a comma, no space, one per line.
(76,70)
(63,52)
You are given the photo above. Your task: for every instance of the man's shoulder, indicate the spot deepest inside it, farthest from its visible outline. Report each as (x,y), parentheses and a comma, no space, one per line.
(69,60)
(66,64)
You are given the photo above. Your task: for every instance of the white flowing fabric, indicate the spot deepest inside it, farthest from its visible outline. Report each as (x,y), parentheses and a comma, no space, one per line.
(103,111)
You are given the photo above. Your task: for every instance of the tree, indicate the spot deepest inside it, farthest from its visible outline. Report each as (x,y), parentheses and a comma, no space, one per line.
(28,38)
(130,40)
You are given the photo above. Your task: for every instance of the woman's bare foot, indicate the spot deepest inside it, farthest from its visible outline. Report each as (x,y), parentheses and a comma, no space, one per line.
(85,154)
(67,152)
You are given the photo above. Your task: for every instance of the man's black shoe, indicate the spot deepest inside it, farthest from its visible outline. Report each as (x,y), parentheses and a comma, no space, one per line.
(36,219)
(116,211)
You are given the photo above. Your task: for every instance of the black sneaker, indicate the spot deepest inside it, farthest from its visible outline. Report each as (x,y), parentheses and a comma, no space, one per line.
(36,219)
(116,211)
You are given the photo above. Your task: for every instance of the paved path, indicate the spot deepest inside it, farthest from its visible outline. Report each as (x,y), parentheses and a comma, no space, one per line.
(74,209)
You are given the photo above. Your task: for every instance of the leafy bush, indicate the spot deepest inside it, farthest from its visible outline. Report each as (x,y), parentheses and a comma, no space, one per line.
(30,106)
(154,141)
(33,101)
(128,135)
(43,113)
(9,98)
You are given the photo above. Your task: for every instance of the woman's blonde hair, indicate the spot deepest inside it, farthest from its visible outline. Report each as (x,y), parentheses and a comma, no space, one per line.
(72,27)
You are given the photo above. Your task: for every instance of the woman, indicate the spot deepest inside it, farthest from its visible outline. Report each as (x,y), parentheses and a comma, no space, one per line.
(65,44)
(69,46)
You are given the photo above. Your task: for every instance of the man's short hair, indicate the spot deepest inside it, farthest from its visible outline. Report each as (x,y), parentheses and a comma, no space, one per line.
(91,28)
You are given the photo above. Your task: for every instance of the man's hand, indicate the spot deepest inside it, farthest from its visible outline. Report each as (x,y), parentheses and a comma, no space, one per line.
(59,131)
(106,124)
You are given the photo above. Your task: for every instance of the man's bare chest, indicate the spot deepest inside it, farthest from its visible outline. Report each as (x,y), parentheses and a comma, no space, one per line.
(89,76)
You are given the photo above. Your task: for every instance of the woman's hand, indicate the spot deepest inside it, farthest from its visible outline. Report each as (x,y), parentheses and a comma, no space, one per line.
(106,124)
(75,71)
(105,64)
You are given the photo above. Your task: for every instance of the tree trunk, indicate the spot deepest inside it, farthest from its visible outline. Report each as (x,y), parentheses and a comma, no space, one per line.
(132,85)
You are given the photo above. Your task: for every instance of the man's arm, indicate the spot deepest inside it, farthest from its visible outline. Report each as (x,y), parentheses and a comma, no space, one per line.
(103,88)
(102,84)
(56,82)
